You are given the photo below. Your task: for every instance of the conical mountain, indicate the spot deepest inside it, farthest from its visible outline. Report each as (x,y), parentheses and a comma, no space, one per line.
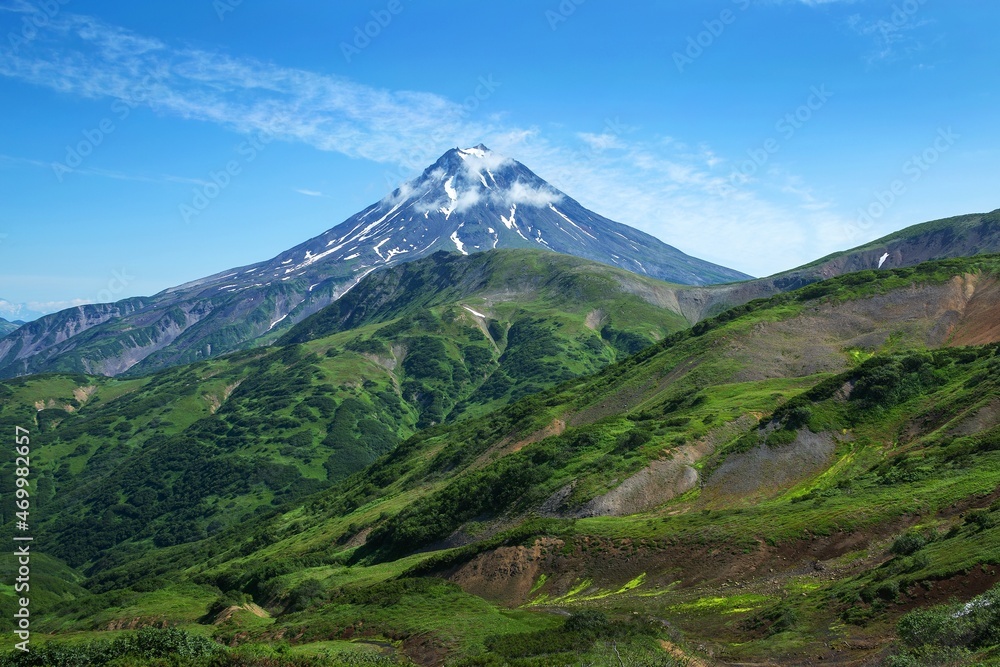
(474,200)
(469,200)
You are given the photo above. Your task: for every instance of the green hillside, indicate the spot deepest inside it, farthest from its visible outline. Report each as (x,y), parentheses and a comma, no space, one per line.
(174,457)
(812,476)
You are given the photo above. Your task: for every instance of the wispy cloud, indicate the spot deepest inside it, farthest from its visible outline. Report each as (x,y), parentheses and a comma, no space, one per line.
(84,56)
(34,309)
(665,187)
(14,161)
(895,35)
(310,193)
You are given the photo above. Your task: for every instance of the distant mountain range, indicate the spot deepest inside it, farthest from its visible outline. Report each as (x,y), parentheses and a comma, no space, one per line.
(470,200)
(6,327)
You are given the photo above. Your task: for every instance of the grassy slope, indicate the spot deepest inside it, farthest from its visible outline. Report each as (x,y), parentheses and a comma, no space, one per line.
(732,570)
(125,465)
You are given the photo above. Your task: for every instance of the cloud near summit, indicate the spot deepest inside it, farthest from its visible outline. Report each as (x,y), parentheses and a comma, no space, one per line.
(662,186)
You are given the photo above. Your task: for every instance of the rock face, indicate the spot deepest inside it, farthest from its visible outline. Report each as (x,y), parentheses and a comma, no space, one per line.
(470,200)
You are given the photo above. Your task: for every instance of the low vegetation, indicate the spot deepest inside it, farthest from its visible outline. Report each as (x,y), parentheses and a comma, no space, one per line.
(716,497)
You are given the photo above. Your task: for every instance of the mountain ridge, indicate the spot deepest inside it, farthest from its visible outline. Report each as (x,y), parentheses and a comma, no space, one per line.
(468,200)
(7,327)
(784,480)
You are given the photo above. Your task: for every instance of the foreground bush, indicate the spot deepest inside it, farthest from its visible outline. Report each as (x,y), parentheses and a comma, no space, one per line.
(942,634)
(144,645)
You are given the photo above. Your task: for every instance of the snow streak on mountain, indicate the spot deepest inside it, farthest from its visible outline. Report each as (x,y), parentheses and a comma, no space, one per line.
(470,200)
(473,200)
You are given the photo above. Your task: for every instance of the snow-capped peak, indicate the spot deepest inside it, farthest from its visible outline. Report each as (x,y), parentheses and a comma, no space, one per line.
(470,200)
(477,151)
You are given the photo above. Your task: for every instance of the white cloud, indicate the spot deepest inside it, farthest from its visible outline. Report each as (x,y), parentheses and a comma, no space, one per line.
(467,199)
(663,186)
(35,309)
(82,55)
(309,193)
(600,142)
(478,163)
(527,195)
(894,34)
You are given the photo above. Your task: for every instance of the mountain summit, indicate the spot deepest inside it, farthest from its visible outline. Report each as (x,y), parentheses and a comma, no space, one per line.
(470,200)
(473,199)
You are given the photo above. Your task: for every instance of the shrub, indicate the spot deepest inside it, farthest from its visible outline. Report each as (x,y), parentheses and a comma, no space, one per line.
(907,544)
(981,519)
(974,625)
(888,590)
(144,645)
(633,440)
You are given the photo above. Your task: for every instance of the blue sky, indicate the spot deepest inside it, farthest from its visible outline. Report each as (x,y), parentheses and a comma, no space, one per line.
(759,134)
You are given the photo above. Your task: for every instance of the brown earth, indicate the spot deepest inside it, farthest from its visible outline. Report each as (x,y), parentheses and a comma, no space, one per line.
(981,419)
(961,309)
(424,650)
(594,319)
(505,575)
(227,613)
(980,323)
(976,581)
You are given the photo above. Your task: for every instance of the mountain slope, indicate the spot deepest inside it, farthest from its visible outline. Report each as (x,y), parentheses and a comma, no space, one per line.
(740,486)
(7,327)
(469,200)
(961,236)
(473,199)
(222,439)
(492,279)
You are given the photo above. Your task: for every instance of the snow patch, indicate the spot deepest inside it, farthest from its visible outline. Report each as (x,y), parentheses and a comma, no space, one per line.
(275,323)
(380,244)
(450,189)
(478,152)
(566,218)
(477,314)
(375,224)
(457,241)
(510,222)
